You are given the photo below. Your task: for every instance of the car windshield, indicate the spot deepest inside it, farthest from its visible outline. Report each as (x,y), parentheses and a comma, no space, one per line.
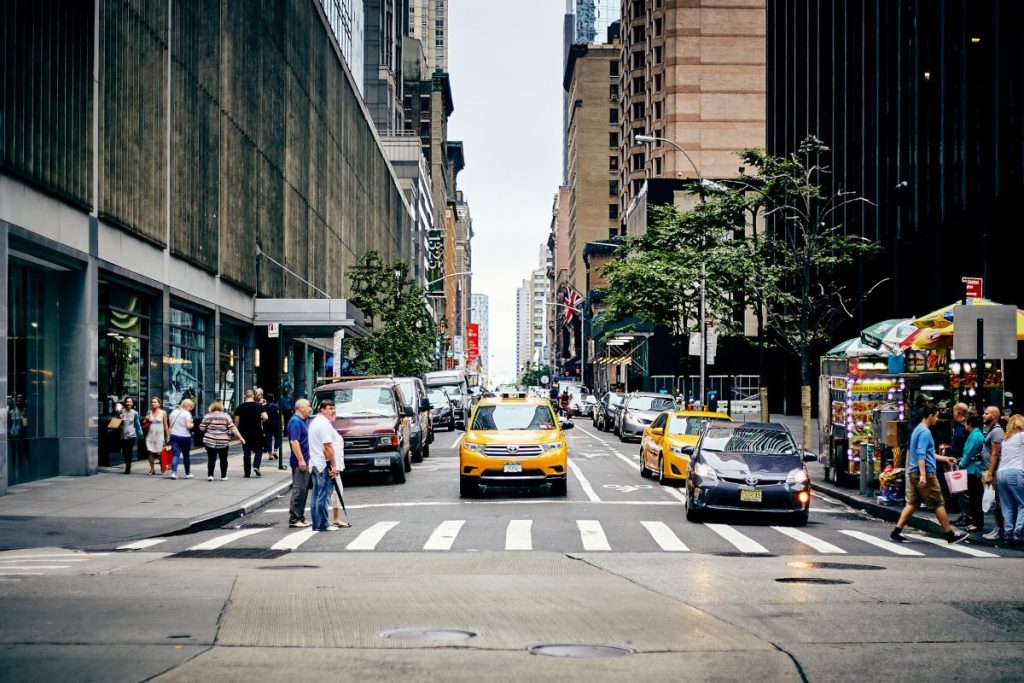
(364,402)
(513,417)
(407,392)
(688,425)
(614,399)
(749,440)
(650,403)
(437,397)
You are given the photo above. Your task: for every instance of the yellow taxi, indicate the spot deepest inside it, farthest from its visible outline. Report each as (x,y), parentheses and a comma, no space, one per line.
(661,447)
(513,440)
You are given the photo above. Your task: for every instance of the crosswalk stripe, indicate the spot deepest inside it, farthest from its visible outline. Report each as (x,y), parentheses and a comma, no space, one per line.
(219,541)
(743,543)
(805,538)
(17,570)
(143,544)
(894,548)
(293,540)
(518,535)
(369,539)
(665,537)
(444,535)
(592,535)
(958,547)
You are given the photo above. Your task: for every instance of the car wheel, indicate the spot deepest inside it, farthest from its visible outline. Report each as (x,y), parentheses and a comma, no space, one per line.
(468,489)
(418,455)
(408,461)
(426,451)
(692,515)
(644,472)
(451,424)
(398,473)
(560,487)
(661,471)
(801,519)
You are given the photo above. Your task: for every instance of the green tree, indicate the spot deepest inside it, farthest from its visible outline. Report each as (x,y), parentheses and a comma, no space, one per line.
(532,375)
(402,339)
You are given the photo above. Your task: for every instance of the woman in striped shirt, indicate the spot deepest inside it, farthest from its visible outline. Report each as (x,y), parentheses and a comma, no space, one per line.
(218,427)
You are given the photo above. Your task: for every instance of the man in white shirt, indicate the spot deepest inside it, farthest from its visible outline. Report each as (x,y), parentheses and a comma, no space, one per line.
(322,463)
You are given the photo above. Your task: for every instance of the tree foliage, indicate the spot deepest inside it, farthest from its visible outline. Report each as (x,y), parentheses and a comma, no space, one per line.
(532,376)
(402,338)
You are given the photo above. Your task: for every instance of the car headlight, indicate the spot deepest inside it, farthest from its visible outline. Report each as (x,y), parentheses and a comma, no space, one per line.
(705,471)
(388,440)
(548,447)
(475,447)
(797,476)
(678,450)
(629,416)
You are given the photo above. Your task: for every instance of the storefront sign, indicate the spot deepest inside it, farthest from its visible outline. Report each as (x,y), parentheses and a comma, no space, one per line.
(273,330)
(435,262)
(472,342)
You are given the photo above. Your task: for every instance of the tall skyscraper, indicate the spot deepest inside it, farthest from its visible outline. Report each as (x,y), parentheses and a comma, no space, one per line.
(345,19)
(428,22)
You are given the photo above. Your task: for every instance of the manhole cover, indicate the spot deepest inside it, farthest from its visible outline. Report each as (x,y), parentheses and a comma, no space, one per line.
(428,635)
(811,579)
(290,566)
(580,651)
(181,635)
(833,565)
(230,554)
(733,553)
(254,525)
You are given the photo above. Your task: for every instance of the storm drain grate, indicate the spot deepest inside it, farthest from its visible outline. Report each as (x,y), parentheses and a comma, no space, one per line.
(230,554)
(254,525)
(733,553)
(834,565)
(580,651)
(289,566)
(811,579)
(428,635)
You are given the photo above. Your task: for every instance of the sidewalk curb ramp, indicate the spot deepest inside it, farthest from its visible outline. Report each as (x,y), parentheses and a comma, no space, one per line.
(217,519)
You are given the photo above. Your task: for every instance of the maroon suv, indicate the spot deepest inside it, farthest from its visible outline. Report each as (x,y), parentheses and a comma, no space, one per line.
(372,417)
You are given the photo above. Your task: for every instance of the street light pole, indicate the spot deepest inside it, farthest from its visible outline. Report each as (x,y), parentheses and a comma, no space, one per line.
(703,277)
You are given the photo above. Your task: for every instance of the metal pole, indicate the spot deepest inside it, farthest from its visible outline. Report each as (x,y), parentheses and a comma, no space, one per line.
(703,336)
(979,371)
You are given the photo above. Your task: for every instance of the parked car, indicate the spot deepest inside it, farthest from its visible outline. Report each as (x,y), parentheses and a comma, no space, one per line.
(661,448)
(455,383)
(422,426)
(442,411)
(607,407)
(639,410)
(372,417)
(748,466)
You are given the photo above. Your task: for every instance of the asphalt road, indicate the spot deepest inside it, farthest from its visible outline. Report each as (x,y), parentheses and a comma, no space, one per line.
(613,564)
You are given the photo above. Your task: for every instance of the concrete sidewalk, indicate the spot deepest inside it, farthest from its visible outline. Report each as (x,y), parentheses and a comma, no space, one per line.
(86,511)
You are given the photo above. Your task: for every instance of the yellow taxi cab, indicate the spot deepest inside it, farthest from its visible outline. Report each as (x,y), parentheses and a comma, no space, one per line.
(513,440)
(661,447)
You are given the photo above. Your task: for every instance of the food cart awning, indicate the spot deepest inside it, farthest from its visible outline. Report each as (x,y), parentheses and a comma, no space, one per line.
(853,348)
(935,330)
(888,334)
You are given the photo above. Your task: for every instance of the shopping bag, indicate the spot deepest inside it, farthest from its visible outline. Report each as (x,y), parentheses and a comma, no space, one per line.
(115,423)
(988,498)
(166,455)
(957,481)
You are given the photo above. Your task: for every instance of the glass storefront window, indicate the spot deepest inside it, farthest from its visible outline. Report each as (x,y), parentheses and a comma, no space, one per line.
(186,359)
(230,379)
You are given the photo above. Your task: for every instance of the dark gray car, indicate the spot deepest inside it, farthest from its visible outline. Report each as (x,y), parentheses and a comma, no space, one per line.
(607,408)
(638,412)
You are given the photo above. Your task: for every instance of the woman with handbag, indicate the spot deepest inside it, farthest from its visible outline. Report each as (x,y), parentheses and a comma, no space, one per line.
(972,463)
(158,433)
(130,430)
(217,428)
(181,437)
(1010,476)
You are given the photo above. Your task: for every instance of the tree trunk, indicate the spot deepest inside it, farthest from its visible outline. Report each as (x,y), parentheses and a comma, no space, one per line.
(762,395)
(805,413)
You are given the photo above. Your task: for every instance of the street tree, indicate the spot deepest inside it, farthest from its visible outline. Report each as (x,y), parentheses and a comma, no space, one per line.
(401,339)
(531,377)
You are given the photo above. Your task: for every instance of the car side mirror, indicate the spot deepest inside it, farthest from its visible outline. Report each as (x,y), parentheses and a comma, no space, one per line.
(409,412)
(566,424)
(810,457)
(460,425)
(657,431)
(424,404)
(688,450)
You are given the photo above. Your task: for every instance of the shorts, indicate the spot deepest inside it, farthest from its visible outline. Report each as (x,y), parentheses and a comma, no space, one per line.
(930,495)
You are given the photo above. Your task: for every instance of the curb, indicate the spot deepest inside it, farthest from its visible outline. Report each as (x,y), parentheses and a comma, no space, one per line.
(889,514)
(222,517)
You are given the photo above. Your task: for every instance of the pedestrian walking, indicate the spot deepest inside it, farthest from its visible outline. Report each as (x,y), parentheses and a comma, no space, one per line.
(181,437)
(336,500)
(971,462)
(957,439)
(298,442)
(922,482)
(157,430)
(1010,476)
(217,429)
(272,427)
(990,452)
(131,431)
(287,407)
(322,463)
(249,419)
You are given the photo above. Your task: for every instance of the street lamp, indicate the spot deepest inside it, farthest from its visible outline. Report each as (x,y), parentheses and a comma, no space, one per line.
(445,277)
(641,139)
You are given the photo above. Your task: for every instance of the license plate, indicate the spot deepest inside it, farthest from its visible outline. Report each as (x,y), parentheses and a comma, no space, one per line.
(381,462)
(750,495)
(513,467)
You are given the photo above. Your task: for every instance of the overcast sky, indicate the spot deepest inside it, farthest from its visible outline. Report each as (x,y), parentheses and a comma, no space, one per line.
(505,61)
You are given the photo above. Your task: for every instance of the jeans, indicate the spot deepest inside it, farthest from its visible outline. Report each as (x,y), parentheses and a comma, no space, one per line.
(212,454)
(128,453)
(321,494)
(180,446)
(272,440)
(300,491)
(1011,498)
(253,445)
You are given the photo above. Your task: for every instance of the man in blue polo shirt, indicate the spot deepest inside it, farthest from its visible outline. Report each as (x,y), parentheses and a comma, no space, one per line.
(298,439)
(922,482)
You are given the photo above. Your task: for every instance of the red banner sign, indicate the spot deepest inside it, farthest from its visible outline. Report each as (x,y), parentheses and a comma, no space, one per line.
(972,287)
(472,342)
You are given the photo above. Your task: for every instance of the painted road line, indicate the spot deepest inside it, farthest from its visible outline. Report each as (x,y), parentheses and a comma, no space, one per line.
(518,535)
(665,537)
(4,572)
(592,535)
(293,540)
(35,566)
(674,492)
(444,535)
(369,539)
(63,558)
(587,488)
(68,556)
(955,547)
(744,544)
(894,548)
(143,544)
(457,441)
(219,541)
(592,436)
(805,538)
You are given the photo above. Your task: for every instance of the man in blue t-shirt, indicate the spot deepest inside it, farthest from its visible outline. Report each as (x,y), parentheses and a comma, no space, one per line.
(922,482)
(298,440)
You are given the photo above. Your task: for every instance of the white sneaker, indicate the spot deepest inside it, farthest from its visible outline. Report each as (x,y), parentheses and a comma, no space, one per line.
(189,476)
(173,475)
(223,478)
(209,479)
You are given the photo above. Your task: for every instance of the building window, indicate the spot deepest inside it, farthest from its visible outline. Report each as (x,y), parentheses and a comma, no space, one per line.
(613,163)
(613,115)
(638,110)
(613,68)
(639,161)
(637,9)
(613,140)
(613,212)
(657,55)
(657,110)
(639,35)
(186,359)
(638,60)
(613,91)
(657,82)
(613,188)
(637,186)
(638,85)
(657,166)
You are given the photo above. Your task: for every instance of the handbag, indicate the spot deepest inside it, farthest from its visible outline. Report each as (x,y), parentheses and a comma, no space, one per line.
(145,425)
(956,480)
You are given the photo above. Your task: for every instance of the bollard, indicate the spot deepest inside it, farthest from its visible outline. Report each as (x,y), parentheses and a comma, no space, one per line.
(865,471)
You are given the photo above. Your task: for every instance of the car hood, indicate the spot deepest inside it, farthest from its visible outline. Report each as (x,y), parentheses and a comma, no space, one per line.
(646,414)
(365,426)
(512,436)
(730,463)
(682,439)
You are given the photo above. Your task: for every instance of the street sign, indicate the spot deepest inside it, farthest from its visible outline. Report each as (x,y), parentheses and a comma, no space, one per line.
(544,379)
(712,336)
(695,343)
(273,330)
(999,327)
(339,338)
(459,347)
(972,287)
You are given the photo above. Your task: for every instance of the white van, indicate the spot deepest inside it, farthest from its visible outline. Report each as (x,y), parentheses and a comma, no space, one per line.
(457,388)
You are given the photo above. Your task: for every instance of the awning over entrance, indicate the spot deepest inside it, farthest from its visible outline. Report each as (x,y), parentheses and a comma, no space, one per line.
(311,317)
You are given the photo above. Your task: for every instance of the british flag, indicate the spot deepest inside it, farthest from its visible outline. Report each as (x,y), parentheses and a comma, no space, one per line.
(572,304)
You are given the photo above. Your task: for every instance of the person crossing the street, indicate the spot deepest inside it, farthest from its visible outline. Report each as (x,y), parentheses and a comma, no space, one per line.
(298,441)
(322,464)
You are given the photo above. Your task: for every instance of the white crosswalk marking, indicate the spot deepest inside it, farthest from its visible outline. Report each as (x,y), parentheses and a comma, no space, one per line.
(592,535)
(665,537)
(444,535)
(293,540)
(34,566)
(894,548)
(958,547)
(369,539)
(743,543)
(518,535)
(805,538)
(143,544)
(219,541)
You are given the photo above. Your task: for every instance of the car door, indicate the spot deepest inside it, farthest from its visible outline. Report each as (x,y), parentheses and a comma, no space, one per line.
(651,442)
